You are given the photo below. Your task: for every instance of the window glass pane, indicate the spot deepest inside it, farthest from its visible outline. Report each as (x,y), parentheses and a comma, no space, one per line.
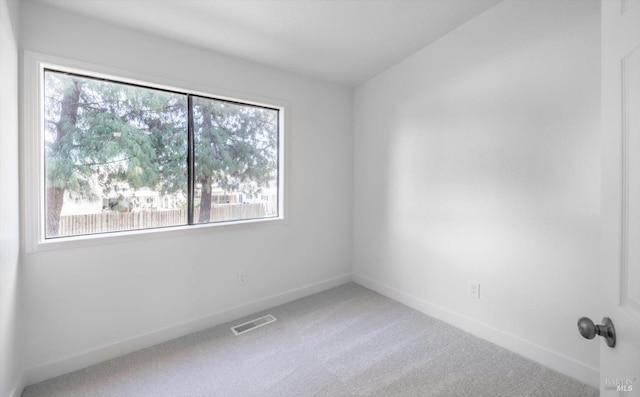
(115,156)
(236,161)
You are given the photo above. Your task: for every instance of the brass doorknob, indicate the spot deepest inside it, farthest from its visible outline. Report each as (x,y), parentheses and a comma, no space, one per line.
(589,330)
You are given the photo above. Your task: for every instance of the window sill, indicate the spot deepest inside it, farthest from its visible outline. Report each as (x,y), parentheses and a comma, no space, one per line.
(91,240)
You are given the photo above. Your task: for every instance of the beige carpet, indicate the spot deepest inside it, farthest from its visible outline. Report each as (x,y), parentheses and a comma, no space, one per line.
(348,341)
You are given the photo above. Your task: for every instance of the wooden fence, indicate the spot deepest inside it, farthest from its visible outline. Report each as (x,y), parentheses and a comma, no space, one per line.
(71,225)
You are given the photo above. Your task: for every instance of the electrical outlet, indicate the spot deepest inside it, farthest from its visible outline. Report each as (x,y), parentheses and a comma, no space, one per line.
(474,289)
(242,277)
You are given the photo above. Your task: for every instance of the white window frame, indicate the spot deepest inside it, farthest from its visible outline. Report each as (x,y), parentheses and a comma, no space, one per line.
(33,211)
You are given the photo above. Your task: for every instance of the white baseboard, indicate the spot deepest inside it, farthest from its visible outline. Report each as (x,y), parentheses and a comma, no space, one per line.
(532,351)
(120,348)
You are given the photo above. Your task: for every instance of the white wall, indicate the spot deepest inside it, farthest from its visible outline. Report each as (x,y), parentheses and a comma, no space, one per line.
(11,328)
(88,304)
(477,159)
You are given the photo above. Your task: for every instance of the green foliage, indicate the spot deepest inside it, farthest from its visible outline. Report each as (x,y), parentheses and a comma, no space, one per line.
(99,134)
(235,144)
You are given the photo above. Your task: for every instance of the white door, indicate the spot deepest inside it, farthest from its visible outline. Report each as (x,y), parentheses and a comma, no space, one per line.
(620,366)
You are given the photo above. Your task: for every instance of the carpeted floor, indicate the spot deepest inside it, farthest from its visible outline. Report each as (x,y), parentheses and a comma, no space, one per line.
(348,341)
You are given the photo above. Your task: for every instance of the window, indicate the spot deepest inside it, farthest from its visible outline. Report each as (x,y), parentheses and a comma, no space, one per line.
(118,155)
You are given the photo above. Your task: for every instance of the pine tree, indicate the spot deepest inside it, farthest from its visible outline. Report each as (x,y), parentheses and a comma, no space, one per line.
(235,148)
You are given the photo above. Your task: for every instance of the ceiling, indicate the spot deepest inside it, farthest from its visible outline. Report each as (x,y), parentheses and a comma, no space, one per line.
(341,41)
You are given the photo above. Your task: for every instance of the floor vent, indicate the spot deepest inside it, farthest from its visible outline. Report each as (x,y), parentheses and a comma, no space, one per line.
(253,324)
